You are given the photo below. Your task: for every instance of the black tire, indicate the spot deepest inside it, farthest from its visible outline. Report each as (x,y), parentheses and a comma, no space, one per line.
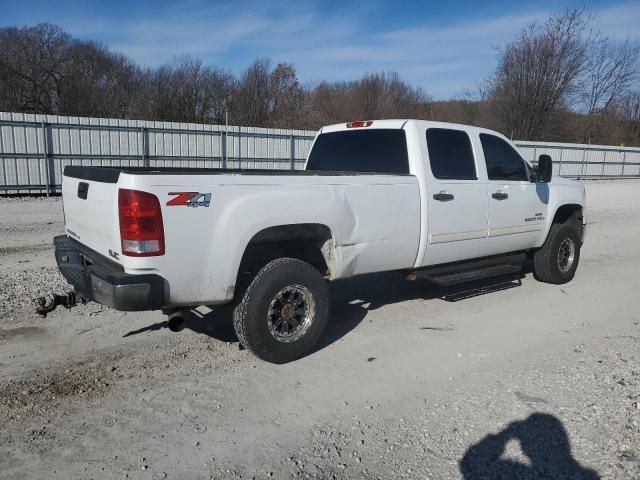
(283,311)
(548,265)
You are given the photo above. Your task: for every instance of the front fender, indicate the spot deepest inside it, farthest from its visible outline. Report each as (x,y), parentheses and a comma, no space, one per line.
(562,192)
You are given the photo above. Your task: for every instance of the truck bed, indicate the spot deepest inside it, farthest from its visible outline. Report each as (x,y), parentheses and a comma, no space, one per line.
(204,246)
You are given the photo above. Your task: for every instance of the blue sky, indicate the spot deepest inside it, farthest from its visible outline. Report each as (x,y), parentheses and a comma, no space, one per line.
(444,46)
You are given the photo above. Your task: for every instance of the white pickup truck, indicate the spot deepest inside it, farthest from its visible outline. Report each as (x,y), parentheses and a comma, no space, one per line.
(448,202)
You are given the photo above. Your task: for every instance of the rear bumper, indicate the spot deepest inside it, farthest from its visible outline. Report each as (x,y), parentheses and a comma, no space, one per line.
(95,277)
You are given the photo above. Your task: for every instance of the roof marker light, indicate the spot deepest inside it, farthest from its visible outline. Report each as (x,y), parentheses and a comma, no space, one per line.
(360,124)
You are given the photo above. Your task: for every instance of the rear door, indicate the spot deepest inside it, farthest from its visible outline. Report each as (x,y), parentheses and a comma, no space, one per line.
(457,216)
(517,206)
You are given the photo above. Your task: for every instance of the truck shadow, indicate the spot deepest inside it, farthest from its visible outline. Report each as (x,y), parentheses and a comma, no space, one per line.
(351,301)
(542,439)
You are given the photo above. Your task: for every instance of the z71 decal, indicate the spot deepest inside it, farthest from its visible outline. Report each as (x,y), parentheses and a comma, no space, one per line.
(189,199)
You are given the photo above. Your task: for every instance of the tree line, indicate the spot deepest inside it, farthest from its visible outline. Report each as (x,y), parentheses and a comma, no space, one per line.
(559,80)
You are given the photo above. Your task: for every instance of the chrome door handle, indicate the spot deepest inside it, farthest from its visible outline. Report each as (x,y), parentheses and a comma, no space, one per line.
(500,195)
(443,196)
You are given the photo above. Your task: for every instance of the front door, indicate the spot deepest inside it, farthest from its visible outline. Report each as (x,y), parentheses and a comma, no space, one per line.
(517,206)
(457,215)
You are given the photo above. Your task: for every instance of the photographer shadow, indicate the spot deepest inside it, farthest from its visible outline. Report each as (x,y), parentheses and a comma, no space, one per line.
(543,440)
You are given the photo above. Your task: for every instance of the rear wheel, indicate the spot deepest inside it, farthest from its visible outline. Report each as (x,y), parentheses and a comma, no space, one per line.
(556,262)
(282,313)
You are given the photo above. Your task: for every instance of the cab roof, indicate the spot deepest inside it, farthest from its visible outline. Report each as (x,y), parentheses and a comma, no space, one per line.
(399,124)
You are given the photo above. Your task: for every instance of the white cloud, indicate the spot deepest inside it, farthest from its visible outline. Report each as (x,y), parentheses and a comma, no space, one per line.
(620,21)
(443,59)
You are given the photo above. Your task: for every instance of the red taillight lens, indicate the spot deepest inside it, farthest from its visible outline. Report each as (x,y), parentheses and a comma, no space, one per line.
(141,229)
(368,123)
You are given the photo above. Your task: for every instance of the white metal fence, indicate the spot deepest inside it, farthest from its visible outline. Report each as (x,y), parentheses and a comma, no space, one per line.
(585,161)
(34,149)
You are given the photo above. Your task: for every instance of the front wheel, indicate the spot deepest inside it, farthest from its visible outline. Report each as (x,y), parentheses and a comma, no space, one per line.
(283,312)
(556,262)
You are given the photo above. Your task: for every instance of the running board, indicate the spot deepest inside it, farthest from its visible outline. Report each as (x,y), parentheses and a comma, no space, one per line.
(471,270)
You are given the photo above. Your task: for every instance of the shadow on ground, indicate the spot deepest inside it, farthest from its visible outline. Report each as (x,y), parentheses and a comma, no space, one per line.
(543,439)
(351,300)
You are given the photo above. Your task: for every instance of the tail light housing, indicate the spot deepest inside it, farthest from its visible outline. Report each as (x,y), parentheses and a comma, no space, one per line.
(141,228)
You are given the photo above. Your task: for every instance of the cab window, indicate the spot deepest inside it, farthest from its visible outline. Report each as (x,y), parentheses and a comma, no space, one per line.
(367,151)
(450,154)
(503,161)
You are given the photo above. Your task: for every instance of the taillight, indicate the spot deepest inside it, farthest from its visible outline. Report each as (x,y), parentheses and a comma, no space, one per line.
(141,229)
(368,123)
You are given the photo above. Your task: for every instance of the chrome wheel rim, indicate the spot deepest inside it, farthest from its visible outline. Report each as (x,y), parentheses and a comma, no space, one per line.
(291,313)
(566,255)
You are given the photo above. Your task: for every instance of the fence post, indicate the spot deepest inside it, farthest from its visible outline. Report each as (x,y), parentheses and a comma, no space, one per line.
(624,159)
(560,163)
(604,162)
(48,157)
(45,156)
(292,151)
(224,149)
(584,154)
(213,149)
(144,147)
(239,147)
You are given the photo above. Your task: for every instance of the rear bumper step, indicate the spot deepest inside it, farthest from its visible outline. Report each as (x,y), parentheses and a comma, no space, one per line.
(97,278)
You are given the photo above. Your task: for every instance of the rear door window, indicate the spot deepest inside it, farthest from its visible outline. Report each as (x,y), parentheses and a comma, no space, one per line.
(372,151)
(503,161)
(450,154)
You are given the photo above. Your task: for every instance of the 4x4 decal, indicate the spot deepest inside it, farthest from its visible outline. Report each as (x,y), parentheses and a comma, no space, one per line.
(189,199)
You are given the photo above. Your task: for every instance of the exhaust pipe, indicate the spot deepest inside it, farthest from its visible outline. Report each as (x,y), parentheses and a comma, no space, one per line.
(175,322)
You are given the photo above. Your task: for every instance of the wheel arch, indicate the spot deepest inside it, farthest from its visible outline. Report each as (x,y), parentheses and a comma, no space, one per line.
(568,212)
(310,242)
(565,213)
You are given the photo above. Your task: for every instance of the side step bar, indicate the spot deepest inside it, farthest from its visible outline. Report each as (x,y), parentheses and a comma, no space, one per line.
(470,270)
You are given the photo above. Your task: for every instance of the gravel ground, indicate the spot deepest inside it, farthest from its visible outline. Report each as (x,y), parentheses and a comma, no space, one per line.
(532,381)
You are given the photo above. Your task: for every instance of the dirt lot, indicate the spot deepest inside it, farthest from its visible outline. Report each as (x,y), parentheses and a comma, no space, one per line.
(534,381)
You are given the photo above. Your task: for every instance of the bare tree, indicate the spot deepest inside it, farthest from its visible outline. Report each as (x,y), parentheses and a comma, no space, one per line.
(185,91)
(269,97)
(32,66)
(98,82)
(330,103)
(611,69)
(628,109)
(253,96)
(199,93)
(287,108)
(537,72)
(220,89)
(375,95)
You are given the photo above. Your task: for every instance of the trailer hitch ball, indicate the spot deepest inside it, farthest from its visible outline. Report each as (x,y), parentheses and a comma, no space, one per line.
(67,300)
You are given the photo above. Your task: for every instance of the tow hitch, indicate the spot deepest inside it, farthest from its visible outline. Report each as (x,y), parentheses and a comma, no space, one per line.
(67,300)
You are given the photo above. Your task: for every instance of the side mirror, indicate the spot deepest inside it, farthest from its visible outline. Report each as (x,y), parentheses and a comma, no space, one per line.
(545,169)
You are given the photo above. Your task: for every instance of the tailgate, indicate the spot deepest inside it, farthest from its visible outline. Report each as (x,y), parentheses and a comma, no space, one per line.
(90,202)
